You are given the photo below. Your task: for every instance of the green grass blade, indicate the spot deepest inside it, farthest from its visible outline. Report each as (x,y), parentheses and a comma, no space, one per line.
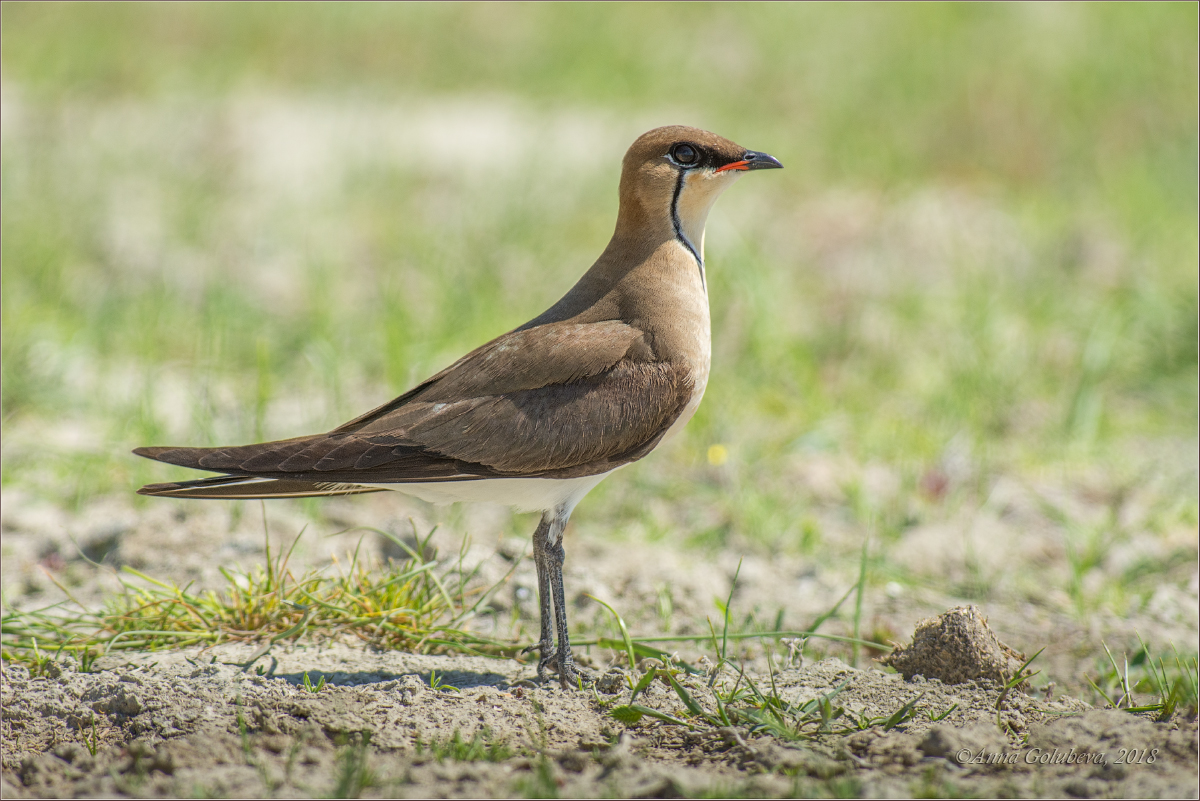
(628,710)
(643,683)
(690,703)
(725,611)
(625,639)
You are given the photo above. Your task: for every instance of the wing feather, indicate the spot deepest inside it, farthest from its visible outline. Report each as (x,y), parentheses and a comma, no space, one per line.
(559,400)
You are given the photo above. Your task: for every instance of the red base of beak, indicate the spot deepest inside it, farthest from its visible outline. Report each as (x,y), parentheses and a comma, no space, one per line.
(736,165)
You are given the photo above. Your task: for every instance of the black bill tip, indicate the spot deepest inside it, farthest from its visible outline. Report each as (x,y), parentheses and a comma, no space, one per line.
(760,161)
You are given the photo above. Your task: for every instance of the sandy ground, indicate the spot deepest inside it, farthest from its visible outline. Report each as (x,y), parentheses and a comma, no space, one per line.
(1007,544)
(190,723)
(196,723)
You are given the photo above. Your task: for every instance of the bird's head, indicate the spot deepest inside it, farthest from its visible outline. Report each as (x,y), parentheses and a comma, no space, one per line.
(674,174)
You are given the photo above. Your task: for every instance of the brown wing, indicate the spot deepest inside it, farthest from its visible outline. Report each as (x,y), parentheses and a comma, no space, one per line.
(558,400)
(528,358)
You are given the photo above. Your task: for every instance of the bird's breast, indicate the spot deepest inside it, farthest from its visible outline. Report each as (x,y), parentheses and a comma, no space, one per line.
(699,372)
(690,336)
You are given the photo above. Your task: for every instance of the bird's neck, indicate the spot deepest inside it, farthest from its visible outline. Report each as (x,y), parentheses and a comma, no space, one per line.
(651,274)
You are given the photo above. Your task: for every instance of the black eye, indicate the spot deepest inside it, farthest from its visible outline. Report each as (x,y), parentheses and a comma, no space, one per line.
(685,154)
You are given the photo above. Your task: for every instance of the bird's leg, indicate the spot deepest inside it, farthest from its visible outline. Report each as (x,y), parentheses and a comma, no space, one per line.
(548,556)
(541,560)
(568,674)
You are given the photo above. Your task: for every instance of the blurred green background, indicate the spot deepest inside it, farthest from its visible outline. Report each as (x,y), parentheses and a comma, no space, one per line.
(231,221)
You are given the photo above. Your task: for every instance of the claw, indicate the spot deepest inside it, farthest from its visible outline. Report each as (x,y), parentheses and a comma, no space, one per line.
(570,675)
(547,664)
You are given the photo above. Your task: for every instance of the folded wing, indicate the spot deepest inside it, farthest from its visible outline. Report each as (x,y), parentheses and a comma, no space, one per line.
(555,401)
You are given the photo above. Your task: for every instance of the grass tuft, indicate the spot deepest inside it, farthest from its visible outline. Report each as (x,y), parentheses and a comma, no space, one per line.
(482,747)
(313,688)
(353,773)
(418,605)
(1171,681)
(743,703)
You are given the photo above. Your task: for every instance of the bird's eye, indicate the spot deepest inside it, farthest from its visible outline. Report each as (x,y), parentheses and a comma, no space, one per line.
(685,154)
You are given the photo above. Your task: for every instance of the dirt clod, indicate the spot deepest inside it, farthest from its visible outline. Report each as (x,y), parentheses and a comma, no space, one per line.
(956,647)
(613,681)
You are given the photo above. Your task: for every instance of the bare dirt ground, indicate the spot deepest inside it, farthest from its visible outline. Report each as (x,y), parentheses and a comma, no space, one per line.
(190,723)
(196,722)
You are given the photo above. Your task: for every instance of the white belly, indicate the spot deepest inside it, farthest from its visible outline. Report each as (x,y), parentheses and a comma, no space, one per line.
(523,494)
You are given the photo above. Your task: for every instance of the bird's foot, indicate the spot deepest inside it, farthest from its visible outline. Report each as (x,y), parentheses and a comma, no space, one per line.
(570,675)
(549,660)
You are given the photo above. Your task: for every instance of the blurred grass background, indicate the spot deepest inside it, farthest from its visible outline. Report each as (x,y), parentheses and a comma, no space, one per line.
(226,222)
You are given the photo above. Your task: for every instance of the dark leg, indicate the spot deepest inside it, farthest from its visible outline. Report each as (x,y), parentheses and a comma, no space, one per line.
(541,560)
(568,675)
(548,556)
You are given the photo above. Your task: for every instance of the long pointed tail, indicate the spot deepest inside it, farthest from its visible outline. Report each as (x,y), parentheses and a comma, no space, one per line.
(250,487)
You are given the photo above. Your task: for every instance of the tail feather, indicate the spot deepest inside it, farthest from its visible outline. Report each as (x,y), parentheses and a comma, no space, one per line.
(230,458)
(251,487)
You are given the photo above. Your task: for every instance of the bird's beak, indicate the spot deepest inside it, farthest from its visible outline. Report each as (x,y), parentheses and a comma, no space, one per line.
(753,160)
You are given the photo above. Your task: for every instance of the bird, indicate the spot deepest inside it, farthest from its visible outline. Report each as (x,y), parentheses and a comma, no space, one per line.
(538,416)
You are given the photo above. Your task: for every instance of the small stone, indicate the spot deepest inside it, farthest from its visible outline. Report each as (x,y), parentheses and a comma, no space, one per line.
(410,688)
(614,680)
